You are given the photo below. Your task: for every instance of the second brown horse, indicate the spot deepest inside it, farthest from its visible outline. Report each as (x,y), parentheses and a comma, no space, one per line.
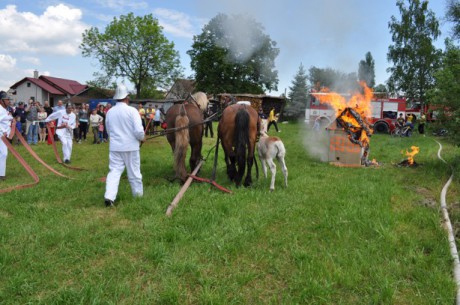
(238,130)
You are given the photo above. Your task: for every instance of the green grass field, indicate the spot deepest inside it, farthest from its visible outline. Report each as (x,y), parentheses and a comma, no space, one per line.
(334,236)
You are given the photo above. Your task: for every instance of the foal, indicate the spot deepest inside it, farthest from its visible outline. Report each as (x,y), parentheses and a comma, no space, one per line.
(270,148)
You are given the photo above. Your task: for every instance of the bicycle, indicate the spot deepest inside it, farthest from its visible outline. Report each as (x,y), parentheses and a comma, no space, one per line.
(402,131)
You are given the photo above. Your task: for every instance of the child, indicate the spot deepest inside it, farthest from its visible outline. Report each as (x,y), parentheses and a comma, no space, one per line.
(101,132)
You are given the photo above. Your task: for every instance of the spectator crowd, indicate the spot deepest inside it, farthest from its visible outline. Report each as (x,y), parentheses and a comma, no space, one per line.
(29,119)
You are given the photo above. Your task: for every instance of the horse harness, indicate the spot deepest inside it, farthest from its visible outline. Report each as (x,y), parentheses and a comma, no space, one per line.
(172,130)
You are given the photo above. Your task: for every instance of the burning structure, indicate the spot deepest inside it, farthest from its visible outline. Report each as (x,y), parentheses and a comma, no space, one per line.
(349,134)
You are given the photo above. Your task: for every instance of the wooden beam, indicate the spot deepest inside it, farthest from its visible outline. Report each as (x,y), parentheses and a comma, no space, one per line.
(182,191)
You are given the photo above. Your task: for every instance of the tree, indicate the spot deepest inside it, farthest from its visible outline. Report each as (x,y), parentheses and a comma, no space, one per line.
(381,91)
(333,80)
(453,15)
(298,95)
(366,70)
(135,48)
(447,90)
(414,57)
(150,90)
(232,54)
(102,81)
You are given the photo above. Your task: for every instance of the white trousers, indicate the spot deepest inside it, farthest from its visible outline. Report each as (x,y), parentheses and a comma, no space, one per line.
(66,141)
(3,155)
(118,160)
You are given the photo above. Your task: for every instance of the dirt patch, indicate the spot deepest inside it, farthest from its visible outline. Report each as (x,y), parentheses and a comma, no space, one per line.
(428,199)
(4,214)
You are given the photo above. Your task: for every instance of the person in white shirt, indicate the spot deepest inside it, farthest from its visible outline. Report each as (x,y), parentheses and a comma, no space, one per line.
(157,119)
(5,128)
(124,127)
(64,129)
(95,120)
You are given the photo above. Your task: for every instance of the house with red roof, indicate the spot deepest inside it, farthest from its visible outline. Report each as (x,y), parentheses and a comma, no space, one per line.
(46,88)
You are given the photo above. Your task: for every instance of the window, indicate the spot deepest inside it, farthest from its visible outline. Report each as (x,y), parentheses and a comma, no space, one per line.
(390,114)
(28,85)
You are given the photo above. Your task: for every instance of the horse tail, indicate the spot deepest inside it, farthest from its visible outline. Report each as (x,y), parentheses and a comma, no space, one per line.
(182,141)
(241,141)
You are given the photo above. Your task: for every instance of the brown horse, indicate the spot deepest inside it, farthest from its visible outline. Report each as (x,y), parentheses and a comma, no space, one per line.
(238,129)
(185,127)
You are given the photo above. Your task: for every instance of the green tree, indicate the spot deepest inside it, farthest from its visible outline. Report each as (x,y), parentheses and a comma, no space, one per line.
(232,54)
(381,88)
(298,95)
(332,79)
(133,47)
(366,70)
(150,90)
(414,57)
(381,91)
(447,90)
(102,81)
(453,15)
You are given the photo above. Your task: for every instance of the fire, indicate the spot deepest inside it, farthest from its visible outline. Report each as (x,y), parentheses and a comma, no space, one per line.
(410,155)
(352,115)
(360,102)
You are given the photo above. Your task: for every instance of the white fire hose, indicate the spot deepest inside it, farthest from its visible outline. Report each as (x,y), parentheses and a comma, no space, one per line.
(449,229)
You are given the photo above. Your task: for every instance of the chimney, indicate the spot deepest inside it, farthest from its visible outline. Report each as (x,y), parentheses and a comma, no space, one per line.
(35,74)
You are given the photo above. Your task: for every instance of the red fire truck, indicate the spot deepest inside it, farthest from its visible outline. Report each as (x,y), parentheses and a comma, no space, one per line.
(385,111)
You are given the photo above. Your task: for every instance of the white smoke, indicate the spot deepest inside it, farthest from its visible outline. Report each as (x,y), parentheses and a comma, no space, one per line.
(240,37)
(320,33)
(316,142)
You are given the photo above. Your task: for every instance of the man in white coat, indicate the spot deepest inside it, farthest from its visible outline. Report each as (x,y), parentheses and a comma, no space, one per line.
(5,125)
(64,129)
(124,127)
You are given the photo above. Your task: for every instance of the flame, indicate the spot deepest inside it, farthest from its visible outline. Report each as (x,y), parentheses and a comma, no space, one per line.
(360,102)
(410,155)
(352,115)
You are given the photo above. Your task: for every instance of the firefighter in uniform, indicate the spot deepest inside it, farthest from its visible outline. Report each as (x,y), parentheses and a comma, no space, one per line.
(64,129)
(5,127)
(124,127)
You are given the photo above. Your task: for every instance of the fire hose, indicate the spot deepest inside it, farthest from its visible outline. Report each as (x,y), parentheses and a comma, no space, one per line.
(21,160)
(23,163)
(34,154)
(449,229)
(148,125)
(56,153)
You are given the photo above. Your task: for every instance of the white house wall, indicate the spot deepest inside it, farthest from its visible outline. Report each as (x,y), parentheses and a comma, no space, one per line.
(24,93)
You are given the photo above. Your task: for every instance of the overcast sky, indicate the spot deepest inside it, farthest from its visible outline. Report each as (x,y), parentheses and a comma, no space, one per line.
(44,35)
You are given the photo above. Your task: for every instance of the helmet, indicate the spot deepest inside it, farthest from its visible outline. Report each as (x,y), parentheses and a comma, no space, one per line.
(121,92)
(4,95)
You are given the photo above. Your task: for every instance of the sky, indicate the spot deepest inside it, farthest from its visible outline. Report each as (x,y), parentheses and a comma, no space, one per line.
(45,35)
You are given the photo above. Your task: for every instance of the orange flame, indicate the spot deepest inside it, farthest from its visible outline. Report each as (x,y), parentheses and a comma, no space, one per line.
(410,155)
(360,102)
